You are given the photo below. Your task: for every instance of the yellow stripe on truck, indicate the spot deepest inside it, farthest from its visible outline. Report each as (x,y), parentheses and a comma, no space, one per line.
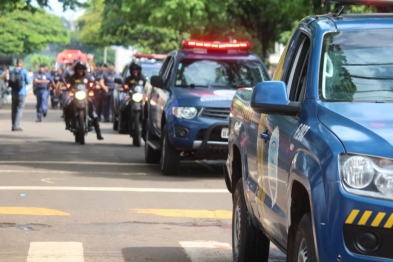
(389,223)
(378,219)
(365,217)
(352,216)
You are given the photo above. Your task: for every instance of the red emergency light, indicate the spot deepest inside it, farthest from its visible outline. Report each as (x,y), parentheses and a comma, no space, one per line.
(215,45)
(151,56)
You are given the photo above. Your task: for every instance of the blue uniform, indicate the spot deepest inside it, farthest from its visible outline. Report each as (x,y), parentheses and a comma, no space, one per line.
(109,80)
(42,92)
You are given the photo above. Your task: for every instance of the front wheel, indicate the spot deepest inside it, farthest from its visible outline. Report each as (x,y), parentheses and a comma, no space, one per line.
(81,127)
(304,250)
(136,133)
(151,156)
(249,243)
(115,122)
(170,157)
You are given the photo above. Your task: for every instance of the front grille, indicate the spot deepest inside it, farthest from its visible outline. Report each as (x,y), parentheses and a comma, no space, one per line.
(215,135)
(215,112)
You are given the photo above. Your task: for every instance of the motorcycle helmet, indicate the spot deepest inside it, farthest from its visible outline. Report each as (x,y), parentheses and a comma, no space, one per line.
(80,64)
(135,66)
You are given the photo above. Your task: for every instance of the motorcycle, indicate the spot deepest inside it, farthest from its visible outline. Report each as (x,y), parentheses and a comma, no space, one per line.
(80,97)
(128,111)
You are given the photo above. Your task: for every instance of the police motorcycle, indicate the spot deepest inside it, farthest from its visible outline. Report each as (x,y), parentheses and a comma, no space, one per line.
(80,95)
(128,111)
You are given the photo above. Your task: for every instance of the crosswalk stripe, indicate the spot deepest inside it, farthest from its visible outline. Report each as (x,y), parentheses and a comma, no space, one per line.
(207,251)
(216,214)
(55,251)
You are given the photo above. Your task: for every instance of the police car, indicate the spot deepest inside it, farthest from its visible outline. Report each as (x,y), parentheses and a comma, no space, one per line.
(310,160)
(186,108)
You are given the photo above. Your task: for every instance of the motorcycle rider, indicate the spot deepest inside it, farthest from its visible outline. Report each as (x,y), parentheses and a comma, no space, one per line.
(135,77)
(80,76)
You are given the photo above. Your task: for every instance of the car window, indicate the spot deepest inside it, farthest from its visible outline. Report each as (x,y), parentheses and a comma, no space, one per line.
(164,66)
(168,71)
(357,66)
(296,80)
(220,73)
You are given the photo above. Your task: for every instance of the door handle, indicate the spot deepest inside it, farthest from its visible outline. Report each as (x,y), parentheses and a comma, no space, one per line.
(265,135)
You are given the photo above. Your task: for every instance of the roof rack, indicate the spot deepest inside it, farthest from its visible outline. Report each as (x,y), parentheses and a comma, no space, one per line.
(342,4)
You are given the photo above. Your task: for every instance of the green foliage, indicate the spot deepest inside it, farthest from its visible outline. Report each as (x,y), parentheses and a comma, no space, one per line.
(36,60)
(23,32)
(27,5)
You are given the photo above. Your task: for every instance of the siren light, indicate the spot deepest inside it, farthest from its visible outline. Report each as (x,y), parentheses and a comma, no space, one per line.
(216,45)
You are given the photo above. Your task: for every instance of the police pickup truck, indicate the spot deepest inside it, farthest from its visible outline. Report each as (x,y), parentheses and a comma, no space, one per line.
(310,162)
(186,107)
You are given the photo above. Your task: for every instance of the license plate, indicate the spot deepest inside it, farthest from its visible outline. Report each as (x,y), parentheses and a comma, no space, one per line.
(224,133)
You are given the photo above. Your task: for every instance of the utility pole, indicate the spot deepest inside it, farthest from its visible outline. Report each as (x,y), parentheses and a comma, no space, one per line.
(105,54)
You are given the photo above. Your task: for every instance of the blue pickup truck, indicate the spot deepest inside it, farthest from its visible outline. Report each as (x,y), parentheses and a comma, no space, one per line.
(310,163)
(186,106)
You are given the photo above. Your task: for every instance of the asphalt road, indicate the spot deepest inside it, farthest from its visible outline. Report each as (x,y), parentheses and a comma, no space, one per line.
(60,201)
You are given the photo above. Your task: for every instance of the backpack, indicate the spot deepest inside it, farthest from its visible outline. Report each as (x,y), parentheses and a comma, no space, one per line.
(15,80)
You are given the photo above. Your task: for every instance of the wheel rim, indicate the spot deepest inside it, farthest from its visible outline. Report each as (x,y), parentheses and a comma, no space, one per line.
(163,152)
(302,253)
(237,229)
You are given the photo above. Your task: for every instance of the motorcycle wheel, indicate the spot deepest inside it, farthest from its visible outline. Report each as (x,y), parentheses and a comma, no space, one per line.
(137,134)
(76,137)
(82,127)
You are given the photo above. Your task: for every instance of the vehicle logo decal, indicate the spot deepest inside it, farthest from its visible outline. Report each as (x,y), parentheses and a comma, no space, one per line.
(273,163)
(301,132)
(364,218)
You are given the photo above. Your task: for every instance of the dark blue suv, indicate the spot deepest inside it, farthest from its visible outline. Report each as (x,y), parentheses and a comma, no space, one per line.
(187,106)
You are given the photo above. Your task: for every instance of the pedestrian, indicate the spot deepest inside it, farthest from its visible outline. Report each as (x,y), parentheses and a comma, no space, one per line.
(18,80)
(108,84)
(42,79)
(53,96)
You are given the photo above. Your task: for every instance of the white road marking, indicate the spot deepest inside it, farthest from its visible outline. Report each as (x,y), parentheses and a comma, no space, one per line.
(55,251)
(72,172)
(113,189)
(75,163)
(209,251)
(48,180)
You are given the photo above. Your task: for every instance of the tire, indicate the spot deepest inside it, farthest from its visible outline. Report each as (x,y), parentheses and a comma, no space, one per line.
(81,126)
(151,156)
(76,137)
(170,157)
(249,243)
(115,122)
(304,249)
(137,134)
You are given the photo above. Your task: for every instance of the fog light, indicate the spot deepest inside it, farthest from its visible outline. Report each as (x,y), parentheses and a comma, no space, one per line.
(367,241)
(181,132)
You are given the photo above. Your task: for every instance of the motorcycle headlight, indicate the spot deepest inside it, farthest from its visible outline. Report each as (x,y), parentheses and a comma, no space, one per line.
(80,95)
(367,176)
(185,112)
(137,97)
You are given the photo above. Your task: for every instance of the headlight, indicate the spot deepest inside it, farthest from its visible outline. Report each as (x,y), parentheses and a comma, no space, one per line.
(185,112)
(80,95)
(367,176)
(137,97)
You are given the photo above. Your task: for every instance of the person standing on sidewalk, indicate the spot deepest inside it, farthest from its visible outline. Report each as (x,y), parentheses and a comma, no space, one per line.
(18,79)
(42,80)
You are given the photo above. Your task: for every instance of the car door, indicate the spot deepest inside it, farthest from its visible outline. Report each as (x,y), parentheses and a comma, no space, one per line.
(156,98)
(275,135)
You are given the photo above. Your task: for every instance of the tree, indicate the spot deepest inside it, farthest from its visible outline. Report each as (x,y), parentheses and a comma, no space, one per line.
(23,32)
(29,5)
(37,60)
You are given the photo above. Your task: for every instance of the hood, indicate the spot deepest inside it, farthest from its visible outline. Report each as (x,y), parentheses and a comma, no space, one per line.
(204,97)
(364,128)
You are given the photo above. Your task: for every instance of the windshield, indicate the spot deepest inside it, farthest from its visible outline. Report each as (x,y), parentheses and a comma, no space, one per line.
(357,66)
(150,71)
(220,73)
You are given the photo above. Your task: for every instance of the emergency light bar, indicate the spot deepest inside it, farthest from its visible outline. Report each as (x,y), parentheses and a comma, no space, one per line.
(151,56)
(216,45)
(362,2)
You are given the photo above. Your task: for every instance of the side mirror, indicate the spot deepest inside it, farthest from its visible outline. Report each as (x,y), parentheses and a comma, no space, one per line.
(118,81)
(270,97)
(157,81)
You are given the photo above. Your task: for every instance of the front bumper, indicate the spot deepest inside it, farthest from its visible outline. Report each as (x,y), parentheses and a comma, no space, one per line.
(204,136)
(357,228)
